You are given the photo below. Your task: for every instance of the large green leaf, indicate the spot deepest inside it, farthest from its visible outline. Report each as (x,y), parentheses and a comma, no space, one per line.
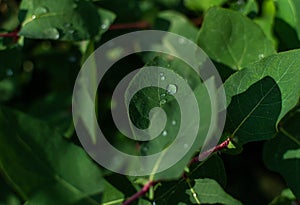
(35,159)
(232,39)
(252,115)
(151,97)
(208,191)
(71,20)
(282,67)
(282,154)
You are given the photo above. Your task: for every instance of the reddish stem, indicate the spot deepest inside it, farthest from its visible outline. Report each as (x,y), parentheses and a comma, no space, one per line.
(14,35)
(203,155)
(133,25)
(147,186)
(143,191)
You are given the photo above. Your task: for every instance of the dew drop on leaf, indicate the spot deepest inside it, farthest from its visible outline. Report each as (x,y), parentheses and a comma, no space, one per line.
(173,122)
(172,89)
(51,33)
(260,56)
(41,10)
(162,76)
(181,41)
(164,133)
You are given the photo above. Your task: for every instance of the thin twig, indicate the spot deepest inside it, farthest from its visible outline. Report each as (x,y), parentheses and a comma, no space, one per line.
(147,186)
(143,191)
(203,155)
(133,25)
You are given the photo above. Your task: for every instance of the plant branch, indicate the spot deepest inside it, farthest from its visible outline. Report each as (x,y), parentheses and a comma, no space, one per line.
(148,185)
(143,191)
(133,25)
(203,155)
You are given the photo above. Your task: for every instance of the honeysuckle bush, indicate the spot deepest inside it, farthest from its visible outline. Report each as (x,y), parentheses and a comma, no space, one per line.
(255,47)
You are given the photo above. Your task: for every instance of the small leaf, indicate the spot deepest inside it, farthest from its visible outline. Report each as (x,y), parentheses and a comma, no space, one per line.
(230,38)
(208,191)
(285,198)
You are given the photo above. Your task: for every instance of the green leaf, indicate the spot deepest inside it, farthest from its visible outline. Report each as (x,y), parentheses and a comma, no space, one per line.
(248,8)
(285,198)
(266,20)
(289,12)
(213,168)
(69,20)
(173,192)
(111,195)
(282,67)
(252,115)
(281,154)
(232,39)
(208,191)
(148,98)
(42,172)
(176,23)
(202,5)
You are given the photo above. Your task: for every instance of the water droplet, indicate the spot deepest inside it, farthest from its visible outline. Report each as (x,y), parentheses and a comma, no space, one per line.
(260,56)
(163,101)
(172,89)
(162,76)
(33,17)
(51,33)
(173,122)
(153,203)
(41,10)
(104,26)
(194,194)
(163,95)
(9,72)
(145,149)
(164,133)
(181,40)
(185,146)
(67,25)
